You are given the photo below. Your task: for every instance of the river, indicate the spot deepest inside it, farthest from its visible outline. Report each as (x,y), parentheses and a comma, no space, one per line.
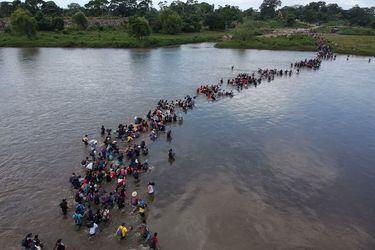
(289,164)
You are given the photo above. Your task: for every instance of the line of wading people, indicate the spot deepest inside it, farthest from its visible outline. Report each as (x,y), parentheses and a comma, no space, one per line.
(108,170)
(243,80)
(109,165)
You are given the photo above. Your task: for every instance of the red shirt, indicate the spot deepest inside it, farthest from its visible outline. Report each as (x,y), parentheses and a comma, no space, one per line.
(155,240)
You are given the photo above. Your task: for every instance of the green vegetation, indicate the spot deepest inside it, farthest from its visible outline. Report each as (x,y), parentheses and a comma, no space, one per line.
(171,22)
(346,30)
(345,44)
(320,12)
(351,44)
(80,20)
(268,8)
(23,23)
(293,42)
(46,23)
(139,24)
(139,27)
(107,38)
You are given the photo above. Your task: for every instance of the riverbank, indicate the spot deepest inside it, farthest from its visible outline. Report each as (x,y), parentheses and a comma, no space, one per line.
(296,42)
(106,39)
(352,44)
(344,44)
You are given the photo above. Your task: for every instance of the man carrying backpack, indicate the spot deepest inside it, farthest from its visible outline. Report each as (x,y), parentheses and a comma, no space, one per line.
(27,241)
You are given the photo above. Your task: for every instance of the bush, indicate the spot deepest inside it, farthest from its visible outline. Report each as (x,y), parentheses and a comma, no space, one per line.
(23,23)
(97,27)
(80,20)
(44,24)
(246,31)
(187,27)
(290,20)
(155,24)
(171,22)
(58,23)
(191,24)
(215,21)
(7,30)
(139,27)
(68,31)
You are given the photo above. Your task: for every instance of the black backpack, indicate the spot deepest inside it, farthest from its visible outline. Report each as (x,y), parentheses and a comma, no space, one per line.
(25,243)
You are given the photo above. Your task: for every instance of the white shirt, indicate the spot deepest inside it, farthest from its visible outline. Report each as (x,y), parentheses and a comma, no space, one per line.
(93,229)
(150,189)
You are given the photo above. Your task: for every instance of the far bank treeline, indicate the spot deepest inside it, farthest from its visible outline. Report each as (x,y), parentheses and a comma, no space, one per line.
(178,17)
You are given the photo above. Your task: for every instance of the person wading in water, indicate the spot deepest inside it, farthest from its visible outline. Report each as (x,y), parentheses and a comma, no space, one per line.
(64,207)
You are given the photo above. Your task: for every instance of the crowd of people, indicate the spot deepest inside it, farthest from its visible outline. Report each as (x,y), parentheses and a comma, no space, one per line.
(115,166)
(110,166)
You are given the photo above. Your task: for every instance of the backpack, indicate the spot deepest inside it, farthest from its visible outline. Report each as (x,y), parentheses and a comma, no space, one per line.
(142,203)
(25,243)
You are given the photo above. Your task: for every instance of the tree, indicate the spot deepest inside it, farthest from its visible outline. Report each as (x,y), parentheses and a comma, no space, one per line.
(97,7)
(290,20)
(333,9)
(191,23)
(73,8)
(80,20)
(250,12)
(33,5)
(123,7)
(230,14)
(171,22)
(163,5)
(49,8)
(204,9)
(23,23)
(139,27)
(6,9)
(268,8)
(143,7)
(360,16)
(43,23)
(215,21)
(58,23)
(154,20)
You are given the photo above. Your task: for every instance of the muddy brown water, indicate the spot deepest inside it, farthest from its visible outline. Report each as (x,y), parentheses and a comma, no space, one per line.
(289,164)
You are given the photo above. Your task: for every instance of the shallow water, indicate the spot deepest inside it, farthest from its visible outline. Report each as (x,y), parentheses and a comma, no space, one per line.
(288,164)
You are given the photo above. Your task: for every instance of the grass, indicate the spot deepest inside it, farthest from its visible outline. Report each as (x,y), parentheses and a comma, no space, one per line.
(101,39)
(344,44)
(294,42)
(352,44)
(347,30)
(266,26)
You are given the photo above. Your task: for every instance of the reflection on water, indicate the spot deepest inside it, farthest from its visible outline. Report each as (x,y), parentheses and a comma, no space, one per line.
(288,164)
(28,53)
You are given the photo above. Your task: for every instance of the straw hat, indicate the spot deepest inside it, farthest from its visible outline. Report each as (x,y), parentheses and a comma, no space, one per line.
(134,194)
